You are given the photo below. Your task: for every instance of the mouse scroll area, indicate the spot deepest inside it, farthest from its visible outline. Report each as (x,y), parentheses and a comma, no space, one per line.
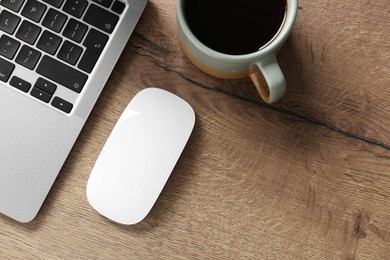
(139,155)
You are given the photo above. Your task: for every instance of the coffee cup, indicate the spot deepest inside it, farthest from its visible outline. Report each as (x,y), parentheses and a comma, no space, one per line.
(215,39)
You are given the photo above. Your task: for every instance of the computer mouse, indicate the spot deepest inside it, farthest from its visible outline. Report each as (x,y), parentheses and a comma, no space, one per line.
(139,155)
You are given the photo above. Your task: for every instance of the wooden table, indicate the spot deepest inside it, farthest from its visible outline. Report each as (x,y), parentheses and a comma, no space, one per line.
(305,178)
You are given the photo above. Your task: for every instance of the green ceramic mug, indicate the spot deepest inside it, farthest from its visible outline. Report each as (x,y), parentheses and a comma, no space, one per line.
(261,65)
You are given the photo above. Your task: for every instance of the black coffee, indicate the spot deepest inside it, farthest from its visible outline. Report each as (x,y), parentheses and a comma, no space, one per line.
(235,26)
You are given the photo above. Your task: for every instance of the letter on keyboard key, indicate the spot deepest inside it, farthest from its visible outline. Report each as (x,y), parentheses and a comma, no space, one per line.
(62,73)
(14,5)
(8,22)
(33,10)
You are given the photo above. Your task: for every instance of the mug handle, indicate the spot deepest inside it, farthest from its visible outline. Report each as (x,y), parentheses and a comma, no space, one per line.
(268,79)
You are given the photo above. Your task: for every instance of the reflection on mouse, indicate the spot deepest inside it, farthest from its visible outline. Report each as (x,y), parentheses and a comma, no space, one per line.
(139,155)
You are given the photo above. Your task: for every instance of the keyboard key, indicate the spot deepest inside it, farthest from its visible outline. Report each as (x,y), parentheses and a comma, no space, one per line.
(56,3)
(54,20)
(94,43)
(61,104)
(70,52)
(75,30)
(75,7)
(8,46)
(6,69)
(28,32)
(28,57)
(8,22)
(40,94)
(46,86)
(62,73)
(34,10)
(105,3)
(20,84)
(118,7)
(14,5)
(101,18)
(49,42)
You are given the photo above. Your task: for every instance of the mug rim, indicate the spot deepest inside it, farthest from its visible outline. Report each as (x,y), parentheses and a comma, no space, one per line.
(271,47)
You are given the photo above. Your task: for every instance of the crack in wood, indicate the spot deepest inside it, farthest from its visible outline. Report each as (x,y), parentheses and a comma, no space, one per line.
(275,108)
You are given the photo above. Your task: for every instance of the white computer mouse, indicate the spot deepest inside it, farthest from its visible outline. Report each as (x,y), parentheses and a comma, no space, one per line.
(139,155)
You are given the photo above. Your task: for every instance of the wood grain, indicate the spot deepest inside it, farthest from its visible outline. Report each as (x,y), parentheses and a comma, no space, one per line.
(306,178)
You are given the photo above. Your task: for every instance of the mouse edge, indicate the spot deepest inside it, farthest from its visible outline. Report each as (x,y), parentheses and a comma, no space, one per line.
(161,90)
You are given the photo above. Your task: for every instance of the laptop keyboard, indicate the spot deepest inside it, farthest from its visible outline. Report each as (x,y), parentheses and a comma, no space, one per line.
(59,41)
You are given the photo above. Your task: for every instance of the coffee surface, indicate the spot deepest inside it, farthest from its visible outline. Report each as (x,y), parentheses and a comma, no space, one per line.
(235,27)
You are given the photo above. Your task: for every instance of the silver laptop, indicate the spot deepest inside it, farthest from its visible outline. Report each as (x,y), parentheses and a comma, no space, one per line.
(55,58)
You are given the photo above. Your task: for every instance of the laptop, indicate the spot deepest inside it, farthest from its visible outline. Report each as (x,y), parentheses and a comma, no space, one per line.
(55,58)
